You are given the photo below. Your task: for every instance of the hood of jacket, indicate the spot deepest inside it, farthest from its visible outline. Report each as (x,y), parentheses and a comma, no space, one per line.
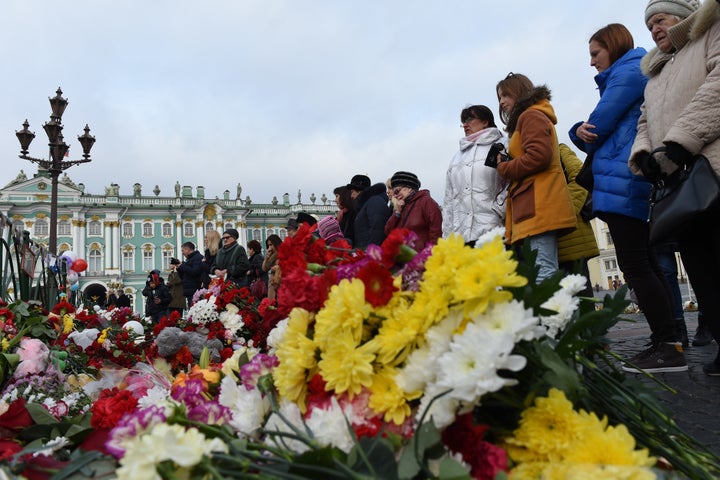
(539,99)
(487,136)
(371,191)
(630,57)
(680,34)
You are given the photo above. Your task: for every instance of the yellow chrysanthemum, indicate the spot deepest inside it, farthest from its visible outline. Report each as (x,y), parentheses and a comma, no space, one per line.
(531,470)
(345,366)
(5,344)
(103,336)
(395,336)
(612,446)
(345,311)
(296,356)
(387,397)
(550,427)
(592,472)
(68,323)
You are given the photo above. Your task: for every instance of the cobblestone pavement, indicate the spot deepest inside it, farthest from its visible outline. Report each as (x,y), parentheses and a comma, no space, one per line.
(695,405)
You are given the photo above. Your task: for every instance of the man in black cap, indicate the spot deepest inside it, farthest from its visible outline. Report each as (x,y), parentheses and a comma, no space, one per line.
(231,262)
(371,205)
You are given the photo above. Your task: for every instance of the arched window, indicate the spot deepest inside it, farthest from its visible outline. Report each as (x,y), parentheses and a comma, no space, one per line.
(167,229)
(41,228)
(257,234)
(147,229)
(229,226)
(64,228)
(269,232)
(95,261)
(209,226)
(94,228)
(188,229)
(127,229)
(282,233)
(167,254)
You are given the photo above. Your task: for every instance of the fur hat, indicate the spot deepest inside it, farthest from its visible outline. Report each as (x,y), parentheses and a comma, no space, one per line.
(359,183)
(681,8)
(292,224)
(232,232)
(303,217)
(405,179)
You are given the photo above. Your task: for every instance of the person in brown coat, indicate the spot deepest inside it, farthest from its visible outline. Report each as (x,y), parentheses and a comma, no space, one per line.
(538,204)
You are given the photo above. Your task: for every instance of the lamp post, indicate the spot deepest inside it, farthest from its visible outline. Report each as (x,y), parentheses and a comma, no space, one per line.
(56,164)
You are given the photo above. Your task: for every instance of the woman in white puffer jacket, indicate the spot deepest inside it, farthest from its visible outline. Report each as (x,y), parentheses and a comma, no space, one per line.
(474,193)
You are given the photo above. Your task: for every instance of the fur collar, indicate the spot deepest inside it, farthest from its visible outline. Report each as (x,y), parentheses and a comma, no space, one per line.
(692,28)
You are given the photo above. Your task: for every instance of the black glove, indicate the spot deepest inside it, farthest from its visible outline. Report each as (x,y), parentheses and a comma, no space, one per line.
(678,154)
(648,165)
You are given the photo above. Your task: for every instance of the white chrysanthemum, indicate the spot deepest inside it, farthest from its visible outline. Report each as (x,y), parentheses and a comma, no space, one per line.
(489,236)
(276,336)
(564,304)
(165,442)
(203,311)
(573,284)
(157,395)
(330,427)
(292,414)
(511,317)
(443,409)
(470,367)
(231,321)
(52,446)
(84,338)
(248,407)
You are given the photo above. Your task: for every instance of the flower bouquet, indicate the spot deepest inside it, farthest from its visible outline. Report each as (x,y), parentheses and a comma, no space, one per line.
(450,362)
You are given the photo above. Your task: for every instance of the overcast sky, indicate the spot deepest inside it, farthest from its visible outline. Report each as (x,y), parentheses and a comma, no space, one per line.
(282,96)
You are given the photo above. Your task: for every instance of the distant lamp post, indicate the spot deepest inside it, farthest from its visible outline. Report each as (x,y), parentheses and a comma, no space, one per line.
(56,164)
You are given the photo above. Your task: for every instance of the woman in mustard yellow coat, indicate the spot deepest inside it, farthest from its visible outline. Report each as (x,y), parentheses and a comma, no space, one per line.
(538,204)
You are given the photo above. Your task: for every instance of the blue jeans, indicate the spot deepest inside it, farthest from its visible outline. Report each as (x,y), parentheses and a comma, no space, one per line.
(667,263)
(547,254)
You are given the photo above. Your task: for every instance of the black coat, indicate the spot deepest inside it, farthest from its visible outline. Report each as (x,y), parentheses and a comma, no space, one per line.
(162,292)
(256,270)
(191,271)
(372,214)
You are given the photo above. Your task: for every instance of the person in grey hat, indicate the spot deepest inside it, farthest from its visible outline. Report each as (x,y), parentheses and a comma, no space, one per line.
(371,205)
(414,209)
(681,113)
(231,262)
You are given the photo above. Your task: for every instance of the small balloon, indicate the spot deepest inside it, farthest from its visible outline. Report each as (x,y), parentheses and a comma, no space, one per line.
(72,277)
(75,287)
(69,254)
(79,265)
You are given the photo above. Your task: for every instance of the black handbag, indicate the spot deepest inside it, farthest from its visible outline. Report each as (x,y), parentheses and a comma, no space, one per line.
(584,177)
(679,199)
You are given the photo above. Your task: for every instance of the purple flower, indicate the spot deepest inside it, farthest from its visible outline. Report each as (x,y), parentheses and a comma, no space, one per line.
(413,271)
(191,394)
(260,365)
(131,425)
(210,412)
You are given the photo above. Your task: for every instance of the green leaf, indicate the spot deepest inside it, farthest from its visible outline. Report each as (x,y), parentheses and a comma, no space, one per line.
(559,374)
(451,469)
(380,457)
(40,414)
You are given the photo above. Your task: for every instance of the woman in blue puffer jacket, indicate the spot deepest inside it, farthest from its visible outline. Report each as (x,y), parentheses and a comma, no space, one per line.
(620,198)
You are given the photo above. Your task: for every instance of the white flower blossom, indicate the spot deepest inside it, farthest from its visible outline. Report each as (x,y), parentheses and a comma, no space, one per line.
(276,335)
(203,311)
(248,407)
(489,236)
(232,321)
(292,414)
(330,426)
(57,443)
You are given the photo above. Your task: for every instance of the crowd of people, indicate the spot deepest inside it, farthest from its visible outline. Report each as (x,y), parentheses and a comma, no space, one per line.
(521,178)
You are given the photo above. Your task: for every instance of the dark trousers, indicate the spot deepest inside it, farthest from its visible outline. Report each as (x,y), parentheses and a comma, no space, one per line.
(668,264)
(643,274)
(700,252)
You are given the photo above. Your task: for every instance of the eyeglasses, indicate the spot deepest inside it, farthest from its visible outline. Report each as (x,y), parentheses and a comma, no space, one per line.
(468,120)
(226,237)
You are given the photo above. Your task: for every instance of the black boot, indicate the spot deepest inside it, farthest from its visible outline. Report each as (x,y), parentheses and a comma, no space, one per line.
(681,332)
(702,334)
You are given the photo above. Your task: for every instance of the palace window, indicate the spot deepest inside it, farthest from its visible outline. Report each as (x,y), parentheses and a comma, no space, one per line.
(167,229)
(41,228)
(228,226)
(64,228)
(167,254)
(282,233)
(188,229)
(128,260)
(95,262)
(147,229)
(148,259)
(94,228)
(209,226)
(127,229)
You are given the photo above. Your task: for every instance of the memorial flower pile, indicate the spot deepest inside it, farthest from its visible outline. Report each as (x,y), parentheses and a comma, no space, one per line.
(450,362)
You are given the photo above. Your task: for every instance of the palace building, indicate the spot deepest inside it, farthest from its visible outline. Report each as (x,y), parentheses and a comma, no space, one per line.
(124,236)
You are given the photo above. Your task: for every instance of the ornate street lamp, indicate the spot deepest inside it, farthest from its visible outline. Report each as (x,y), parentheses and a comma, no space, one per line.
(56,163)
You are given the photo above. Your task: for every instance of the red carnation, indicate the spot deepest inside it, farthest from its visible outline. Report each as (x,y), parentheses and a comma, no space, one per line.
(8,448)
(466,437)
(16,417)
(110,407)
(378,282)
